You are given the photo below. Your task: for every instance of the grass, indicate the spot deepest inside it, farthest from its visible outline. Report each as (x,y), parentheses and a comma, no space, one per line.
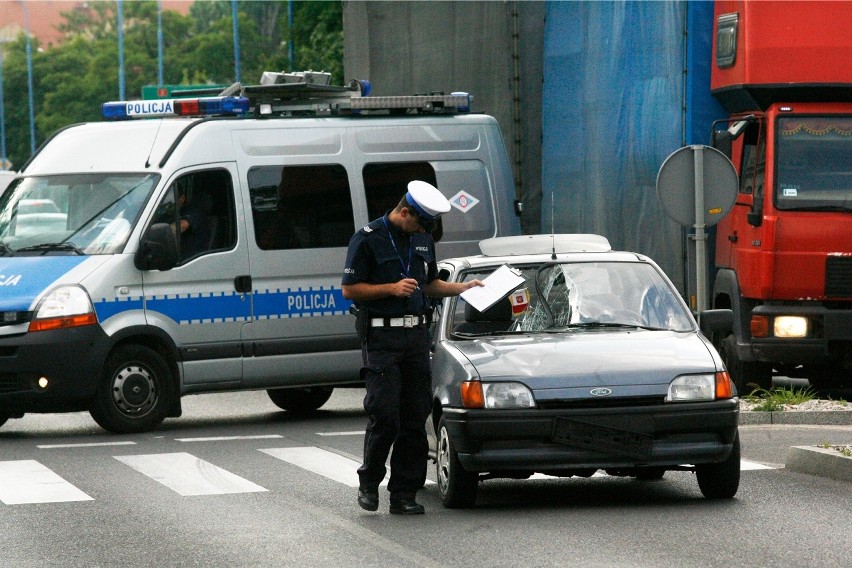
(845,451)
(774,399)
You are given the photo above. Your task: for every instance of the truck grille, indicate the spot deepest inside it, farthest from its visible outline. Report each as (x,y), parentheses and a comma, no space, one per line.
(838,276)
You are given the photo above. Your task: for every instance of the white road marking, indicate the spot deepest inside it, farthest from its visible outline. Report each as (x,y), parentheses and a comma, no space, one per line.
(322,462)
(350,433)
(746,465)
(226,438)
(27,481)
(187,475)
(89,445)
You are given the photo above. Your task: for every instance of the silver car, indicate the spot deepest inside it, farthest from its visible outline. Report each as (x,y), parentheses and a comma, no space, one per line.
(593,363)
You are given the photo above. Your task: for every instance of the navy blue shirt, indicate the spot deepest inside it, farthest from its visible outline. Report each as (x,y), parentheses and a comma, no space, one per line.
(379,253)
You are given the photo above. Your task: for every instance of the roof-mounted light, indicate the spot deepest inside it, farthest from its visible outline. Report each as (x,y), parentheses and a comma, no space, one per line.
(206,106)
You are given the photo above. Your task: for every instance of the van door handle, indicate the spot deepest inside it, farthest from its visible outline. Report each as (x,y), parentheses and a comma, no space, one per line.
(242,284)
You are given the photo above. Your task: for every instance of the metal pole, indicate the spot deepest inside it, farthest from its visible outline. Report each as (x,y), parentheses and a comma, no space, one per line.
(120,13)
(160,43)
(30,77)
(2,116)
(700,234)
(236,40)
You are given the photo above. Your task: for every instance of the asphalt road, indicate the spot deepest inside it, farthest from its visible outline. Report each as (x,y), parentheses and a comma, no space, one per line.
(237,482)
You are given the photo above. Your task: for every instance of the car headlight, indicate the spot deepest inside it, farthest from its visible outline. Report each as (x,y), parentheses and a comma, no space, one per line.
(709,386)
(476,394)
(65,306)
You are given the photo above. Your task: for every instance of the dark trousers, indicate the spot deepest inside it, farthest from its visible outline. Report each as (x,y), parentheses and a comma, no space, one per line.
(398,378)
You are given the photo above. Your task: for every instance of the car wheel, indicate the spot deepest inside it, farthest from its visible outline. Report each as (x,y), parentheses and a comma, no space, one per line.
(650,473)
(457,485)
(720,480)
(300,401)
(135,391)
(4,416)
(746,375)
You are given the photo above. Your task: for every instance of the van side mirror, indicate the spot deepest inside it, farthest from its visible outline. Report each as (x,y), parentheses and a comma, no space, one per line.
(716,321)
(158,249)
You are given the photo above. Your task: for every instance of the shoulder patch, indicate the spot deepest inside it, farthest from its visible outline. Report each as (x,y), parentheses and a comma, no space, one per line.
(367,229)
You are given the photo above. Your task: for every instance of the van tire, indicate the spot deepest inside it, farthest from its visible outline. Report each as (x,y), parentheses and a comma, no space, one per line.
(135,391)
(300,400)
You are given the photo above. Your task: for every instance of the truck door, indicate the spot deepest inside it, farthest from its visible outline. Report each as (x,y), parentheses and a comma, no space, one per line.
(202,303)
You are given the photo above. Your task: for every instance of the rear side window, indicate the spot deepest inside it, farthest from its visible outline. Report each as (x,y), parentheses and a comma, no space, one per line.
(298,207)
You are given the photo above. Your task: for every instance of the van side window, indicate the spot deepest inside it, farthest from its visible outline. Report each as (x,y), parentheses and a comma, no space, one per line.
(200,208)
(385,184)
(298,207)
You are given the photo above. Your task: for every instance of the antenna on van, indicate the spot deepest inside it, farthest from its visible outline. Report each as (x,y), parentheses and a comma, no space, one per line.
(552,229)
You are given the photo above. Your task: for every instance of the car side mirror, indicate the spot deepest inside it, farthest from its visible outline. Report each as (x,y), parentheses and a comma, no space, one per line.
(158,249)
(717,321)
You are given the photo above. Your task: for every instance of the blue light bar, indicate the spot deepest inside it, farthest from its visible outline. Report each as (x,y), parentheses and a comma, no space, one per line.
(207,106)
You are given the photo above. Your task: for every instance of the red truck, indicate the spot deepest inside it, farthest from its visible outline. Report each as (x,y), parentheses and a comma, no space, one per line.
(783,72)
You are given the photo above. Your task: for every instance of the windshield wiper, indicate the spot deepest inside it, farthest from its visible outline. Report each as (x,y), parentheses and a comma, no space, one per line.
(605,324)
(468,334)
(45,248)
(5,249)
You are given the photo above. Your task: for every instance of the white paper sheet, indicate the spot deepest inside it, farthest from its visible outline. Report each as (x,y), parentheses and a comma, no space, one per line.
(498,285)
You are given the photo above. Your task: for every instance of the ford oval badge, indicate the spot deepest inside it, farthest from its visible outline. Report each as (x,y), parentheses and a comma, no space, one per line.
(600,392)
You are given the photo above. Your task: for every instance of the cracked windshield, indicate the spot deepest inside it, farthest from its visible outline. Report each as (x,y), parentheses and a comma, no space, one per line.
(71,214)
(574,296)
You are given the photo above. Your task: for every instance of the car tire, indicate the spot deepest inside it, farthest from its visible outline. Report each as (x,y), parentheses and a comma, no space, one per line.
(135,391)
(4,416)
(300,400)
(720,480)
(456,485)
(744,374)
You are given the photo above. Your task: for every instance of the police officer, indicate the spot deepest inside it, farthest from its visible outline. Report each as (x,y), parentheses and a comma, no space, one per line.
(390,270)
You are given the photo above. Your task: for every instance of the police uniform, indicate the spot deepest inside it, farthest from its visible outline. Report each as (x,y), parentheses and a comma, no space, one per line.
(396,356)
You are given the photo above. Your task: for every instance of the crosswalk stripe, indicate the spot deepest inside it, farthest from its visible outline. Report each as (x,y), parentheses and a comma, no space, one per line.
(746,465)
(327,464)
(27,481)
(227,438)
(187,475)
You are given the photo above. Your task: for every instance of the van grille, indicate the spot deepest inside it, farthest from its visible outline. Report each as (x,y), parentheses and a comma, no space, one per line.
(838,276)
(12,318)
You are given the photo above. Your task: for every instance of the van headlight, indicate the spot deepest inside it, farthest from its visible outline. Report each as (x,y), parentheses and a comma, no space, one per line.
(62,307)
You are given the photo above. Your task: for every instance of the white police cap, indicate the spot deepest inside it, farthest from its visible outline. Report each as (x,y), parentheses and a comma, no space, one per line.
(426,200)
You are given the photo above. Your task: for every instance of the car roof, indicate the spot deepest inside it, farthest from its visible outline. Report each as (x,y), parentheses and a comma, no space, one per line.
(531,249)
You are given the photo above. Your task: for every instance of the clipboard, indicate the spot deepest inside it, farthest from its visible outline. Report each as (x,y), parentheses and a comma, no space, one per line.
(497,286)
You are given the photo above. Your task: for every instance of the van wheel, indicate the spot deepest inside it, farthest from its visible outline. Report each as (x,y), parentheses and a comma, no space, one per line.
(721,480)
(300,400)
(456,485)
(135,391)
(746,375)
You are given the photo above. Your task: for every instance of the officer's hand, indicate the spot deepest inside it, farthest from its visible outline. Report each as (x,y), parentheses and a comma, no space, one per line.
(471,283)
(405,287)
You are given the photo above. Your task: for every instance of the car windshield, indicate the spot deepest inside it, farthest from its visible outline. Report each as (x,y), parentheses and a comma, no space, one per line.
(71,214)
(814,158)
(578,296)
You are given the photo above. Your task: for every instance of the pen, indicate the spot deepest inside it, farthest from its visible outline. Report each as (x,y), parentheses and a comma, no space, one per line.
(417,287)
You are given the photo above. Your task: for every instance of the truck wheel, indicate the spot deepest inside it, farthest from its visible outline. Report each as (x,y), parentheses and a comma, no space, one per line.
(457,486)
(135,391)
(301,400)
(720,480)
(746,375)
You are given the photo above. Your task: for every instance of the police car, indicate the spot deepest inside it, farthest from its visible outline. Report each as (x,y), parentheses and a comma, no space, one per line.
(114,302)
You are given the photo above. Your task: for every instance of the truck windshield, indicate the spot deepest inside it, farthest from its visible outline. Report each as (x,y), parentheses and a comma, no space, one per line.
(814,163)
(71,214)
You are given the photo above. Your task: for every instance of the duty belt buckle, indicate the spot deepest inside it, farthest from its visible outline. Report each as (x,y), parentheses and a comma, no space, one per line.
(409,321)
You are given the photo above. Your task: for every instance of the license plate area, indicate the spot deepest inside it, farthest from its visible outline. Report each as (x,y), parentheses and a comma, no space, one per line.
(579,434)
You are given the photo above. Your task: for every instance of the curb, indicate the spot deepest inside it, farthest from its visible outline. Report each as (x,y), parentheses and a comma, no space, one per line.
(818,418)
(824,462)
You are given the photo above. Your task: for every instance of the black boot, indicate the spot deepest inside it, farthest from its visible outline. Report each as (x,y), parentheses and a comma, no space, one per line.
(406,507)
(368,500)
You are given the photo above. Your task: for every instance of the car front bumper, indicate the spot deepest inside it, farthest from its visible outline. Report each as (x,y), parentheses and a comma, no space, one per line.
(526,440)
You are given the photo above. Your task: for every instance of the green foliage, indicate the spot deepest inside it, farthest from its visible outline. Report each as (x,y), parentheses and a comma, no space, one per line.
(71,80)
(773,400)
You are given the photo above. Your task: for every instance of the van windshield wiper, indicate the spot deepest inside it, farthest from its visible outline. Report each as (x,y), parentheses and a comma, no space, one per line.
(5,250)
(45,248)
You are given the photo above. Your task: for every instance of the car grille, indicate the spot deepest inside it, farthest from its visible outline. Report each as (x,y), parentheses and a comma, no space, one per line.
(10,383)
(602,403)
(838,276)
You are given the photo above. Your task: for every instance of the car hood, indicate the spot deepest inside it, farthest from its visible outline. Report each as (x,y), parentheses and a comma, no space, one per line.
(631,363)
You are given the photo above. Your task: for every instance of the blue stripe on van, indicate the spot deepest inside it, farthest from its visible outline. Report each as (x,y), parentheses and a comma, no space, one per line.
(105,309)
(24,278)
(300,303)
(198,308)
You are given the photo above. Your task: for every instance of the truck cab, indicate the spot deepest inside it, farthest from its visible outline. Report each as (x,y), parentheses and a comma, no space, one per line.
(784,253)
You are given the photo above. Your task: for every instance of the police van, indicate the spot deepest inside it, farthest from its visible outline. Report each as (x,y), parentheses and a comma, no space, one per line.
(108,304)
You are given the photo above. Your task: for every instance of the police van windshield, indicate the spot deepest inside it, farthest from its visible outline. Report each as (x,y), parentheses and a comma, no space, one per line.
(72,214)
(814,157)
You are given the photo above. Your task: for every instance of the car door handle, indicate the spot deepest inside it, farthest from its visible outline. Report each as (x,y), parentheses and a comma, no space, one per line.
(242,284)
